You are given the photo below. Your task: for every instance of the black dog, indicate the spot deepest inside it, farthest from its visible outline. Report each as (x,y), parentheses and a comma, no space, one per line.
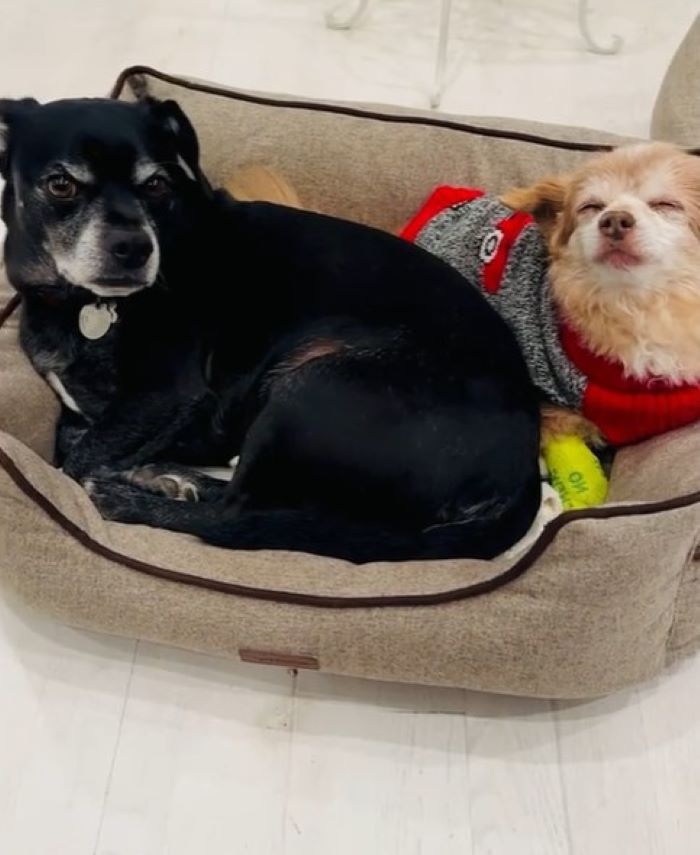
(380,407)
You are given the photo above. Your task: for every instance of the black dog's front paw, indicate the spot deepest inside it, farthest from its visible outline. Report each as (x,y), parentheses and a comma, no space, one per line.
(176,482)
(116,500)
(121,502)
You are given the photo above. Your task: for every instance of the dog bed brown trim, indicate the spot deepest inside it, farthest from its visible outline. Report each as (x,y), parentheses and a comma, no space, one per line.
(347,110)
(331,602)
(10,308)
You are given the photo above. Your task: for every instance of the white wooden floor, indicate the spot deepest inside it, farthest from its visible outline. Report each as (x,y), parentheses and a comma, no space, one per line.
(117,748)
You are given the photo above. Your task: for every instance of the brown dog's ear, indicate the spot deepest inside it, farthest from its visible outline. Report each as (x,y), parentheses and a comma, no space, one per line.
(544,200)
(690,171)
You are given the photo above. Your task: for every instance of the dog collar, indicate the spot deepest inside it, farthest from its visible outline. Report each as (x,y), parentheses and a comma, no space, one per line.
(95,319)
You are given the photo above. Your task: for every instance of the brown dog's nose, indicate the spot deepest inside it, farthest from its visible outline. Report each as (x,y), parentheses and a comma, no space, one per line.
(616,224)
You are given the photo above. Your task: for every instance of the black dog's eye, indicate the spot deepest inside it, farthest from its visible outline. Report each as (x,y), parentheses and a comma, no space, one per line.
(62,187)
(156,186)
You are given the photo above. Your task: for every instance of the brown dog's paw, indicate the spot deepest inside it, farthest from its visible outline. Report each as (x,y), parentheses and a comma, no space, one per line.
(557,421)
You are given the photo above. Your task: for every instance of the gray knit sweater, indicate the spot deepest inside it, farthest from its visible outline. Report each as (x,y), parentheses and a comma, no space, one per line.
(503,252)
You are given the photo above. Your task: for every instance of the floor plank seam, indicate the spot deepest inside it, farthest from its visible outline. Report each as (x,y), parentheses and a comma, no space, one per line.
(554,707)
(117,740)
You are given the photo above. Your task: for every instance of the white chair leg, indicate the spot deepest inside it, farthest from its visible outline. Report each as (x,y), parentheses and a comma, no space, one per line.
(337,19)
(441,60)
(591,43)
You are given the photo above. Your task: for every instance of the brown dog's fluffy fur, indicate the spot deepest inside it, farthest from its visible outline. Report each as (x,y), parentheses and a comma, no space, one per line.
(259,184)
(644,314)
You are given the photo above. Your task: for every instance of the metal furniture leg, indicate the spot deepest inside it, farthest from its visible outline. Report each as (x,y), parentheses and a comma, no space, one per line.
(441,60)
(338,19)
(593,45)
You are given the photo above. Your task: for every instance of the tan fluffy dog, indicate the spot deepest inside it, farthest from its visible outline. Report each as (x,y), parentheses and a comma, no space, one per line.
(624,237)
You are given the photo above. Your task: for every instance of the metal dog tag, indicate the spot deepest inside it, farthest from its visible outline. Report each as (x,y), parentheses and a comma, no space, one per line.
(95,319)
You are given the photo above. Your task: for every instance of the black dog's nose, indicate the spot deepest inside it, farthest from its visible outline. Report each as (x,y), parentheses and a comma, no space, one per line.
(616,224)
(131,249)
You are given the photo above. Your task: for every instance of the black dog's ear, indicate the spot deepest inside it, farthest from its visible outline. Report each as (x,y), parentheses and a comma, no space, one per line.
(174,122)
(10,111)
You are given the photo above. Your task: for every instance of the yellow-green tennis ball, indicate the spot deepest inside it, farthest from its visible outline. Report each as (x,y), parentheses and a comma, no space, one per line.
(575,472)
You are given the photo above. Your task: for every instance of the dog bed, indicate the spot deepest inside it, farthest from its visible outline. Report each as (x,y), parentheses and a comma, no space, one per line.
(604,598)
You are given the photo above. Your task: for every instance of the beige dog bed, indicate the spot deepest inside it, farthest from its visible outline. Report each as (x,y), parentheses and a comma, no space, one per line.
(604,598)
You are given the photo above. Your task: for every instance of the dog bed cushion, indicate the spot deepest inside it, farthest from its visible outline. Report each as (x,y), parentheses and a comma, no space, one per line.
(604,598)
(676,109)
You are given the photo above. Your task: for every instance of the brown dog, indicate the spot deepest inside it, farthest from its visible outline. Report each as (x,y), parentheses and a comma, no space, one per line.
(623,234)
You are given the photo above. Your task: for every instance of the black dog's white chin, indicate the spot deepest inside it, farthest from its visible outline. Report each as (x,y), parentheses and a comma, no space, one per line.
(113,286)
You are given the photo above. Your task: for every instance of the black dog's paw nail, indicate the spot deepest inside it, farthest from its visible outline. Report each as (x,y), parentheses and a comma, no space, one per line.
(172,485)
(190,493)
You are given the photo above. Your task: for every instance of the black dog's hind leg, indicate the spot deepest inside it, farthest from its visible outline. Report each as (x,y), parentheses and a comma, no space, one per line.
(222,524)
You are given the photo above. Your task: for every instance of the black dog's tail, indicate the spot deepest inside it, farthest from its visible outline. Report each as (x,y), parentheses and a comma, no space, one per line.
(303,531)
